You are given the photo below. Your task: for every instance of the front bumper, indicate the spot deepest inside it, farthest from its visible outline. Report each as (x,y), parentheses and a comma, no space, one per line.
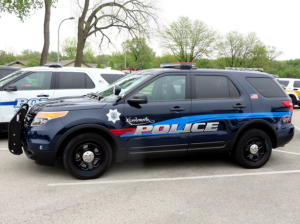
(37,142)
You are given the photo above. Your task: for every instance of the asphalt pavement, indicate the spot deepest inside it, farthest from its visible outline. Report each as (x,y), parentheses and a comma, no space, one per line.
(203,189)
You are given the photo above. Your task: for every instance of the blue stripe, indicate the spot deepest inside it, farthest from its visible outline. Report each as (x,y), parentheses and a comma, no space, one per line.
(8,103)
(182,121)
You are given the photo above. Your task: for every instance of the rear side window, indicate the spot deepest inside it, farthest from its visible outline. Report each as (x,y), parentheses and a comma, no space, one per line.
(73,80)
(283,82)
(297,84)
(266,87)
(208,87)
(111,78)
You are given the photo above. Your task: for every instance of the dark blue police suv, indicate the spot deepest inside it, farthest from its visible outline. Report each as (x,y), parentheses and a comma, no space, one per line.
(159,112)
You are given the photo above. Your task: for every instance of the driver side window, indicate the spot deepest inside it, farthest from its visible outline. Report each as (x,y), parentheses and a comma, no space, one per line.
(35,81)
(166,88)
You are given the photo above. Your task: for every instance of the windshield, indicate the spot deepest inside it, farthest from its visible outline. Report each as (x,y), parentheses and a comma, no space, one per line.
(126,83)
(10,77)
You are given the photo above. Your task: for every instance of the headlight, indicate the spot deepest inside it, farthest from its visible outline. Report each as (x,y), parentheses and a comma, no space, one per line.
(43,117)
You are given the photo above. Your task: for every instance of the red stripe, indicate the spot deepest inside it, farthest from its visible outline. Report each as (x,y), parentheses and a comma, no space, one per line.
(119,132)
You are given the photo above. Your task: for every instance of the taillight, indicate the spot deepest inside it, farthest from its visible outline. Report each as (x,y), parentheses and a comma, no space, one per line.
(289,104)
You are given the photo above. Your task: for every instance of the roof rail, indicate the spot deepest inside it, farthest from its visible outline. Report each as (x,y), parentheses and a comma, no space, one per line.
(181,65)
(245,69)
(53,65)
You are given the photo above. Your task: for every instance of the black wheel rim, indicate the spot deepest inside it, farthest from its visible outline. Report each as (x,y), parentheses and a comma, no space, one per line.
(255,149)
(88,157)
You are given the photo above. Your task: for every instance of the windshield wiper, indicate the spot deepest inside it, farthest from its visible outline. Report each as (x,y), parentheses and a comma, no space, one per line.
(92,95)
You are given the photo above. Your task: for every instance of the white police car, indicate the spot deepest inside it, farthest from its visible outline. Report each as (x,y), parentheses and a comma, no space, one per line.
(32,85)
(292,88)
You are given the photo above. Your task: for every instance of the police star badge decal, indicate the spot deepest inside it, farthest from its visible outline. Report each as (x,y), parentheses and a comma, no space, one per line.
(113,115)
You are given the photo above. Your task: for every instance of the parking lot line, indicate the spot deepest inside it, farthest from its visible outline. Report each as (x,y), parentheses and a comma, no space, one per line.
(294,153)
(297,128)
(170,179)
(4,149)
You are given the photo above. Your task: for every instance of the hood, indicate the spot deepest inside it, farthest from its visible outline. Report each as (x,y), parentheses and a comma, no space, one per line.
(67,103)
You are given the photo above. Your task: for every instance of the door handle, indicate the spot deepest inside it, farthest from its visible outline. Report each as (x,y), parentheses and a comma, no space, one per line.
(296,89)
(177,109)
(239,106)
(42,95)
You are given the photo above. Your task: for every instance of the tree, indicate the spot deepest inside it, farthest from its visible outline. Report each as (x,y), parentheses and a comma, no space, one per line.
(188,40)
(238,50)
(23,9)
(139,53)
(52,56)
(69,49)
(131,15)
(29,54)
(32,63)
(6,57)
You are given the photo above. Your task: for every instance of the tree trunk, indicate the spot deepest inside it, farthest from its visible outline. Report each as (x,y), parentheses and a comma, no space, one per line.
(81,39)
(46,33)
(81,35)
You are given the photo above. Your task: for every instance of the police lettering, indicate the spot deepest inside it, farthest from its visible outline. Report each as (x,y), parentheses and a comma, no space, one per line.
(165,128)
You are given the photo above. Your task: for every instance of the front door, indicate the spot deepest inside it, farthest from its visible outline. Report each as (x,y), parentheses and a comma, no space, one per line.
(157,127)
(30,89)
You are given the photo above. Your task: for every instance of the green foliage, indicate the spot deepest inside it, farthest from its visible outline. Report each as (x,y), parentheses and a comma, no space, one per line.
(29,54)
(6,58)
(111,64)
(52,56)
(138,53)
(166,58)
(69,48)
(99,65)
(22,8)
(188,40)
(246,51)
(33,62)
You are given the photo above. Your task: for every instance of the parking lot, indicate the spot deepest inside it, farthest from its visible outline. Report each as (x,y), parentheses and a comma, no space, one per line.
(204,189)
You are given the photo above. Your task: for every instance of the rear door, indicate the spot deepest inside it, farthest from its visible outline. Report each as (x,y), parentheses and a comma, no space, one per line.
(72,84)
(219,107)
(31,89)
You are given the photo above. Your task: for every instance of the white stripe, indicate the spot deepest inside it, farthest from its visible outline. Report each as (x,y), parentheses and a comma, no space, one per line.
(297,128)
(169,179)
(4,149)
(294,153)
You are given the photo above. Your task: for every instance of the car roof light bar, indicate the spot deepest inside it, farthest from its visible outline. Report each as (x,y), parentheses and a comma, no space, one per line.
(53,65)
(181,65)
(245,69)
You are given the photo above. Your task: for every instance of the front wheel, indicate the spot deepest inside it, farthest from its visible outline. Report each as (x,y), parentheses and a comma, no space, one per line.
(253,149)
(87,156)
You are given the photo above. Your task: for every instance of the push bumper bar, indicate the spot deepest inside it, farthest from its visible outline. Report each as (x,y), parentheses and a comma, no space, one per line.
(15,127)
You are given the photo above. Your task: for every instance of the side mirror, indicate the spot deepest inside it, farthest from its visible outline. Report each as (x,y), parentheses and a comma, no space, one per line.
(117,90)
(139,98)
(10,88)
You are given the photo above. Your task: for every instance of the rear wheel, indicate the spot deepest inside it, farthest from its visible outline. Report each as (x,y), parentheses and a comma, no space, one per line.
(253,149)
(87,156)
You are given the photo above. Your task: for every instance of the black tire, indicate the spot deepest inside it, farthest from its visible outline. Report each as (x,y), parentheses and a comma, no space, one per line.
(293,100)
(87,156)
(248,158)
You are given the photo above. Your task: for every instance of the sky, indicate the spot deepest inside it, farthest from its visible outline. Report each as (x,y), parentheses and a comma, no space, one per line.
(275,22)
